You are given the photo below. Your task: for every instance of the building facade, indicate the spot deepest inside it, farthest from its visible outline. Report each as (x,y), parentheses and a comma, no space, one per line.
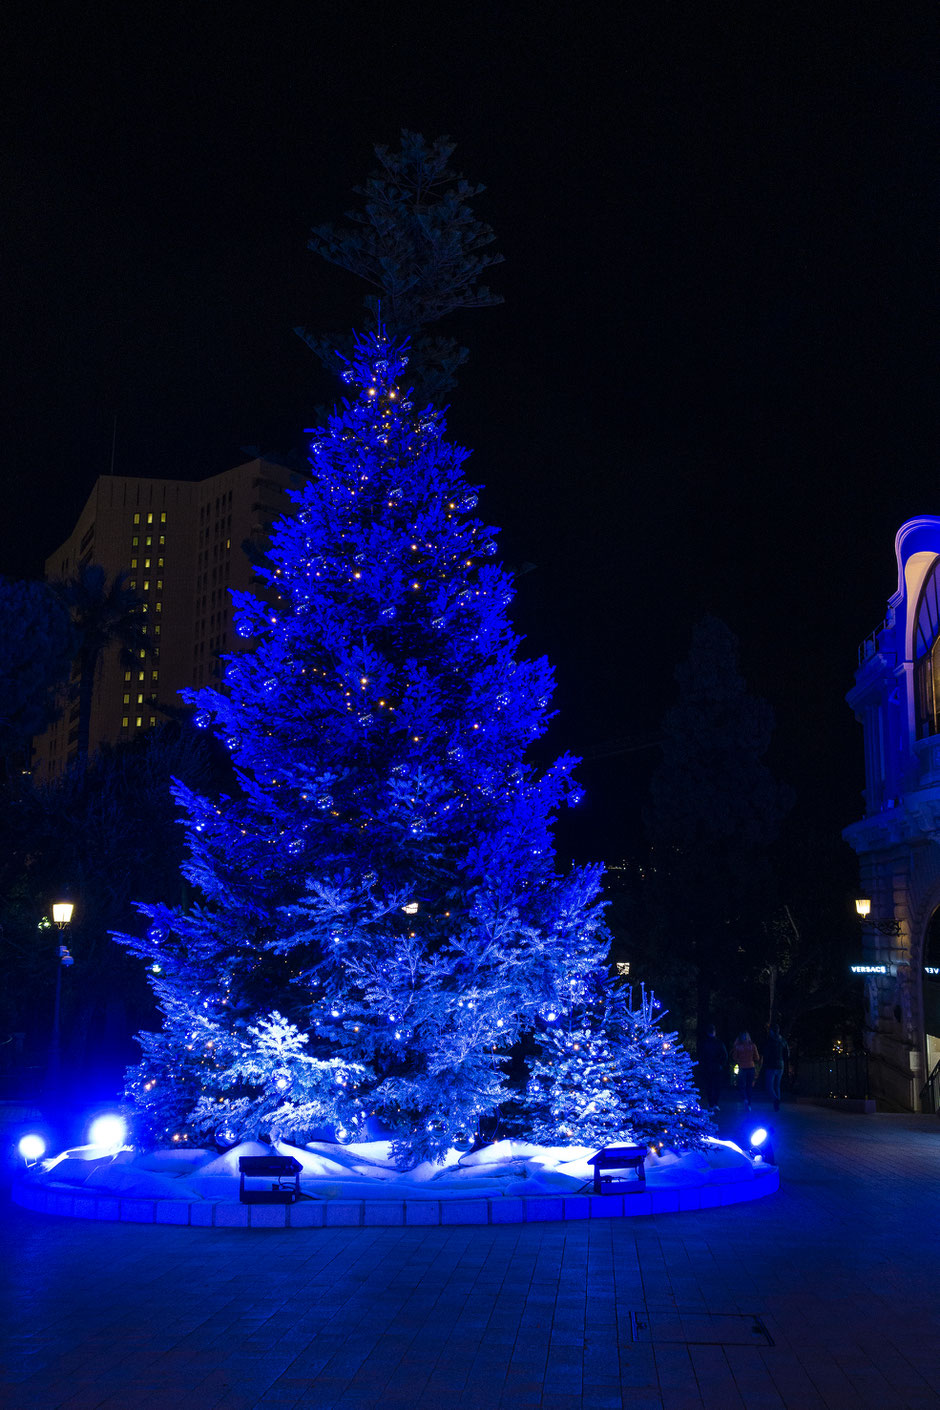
(182,545)
(896,698)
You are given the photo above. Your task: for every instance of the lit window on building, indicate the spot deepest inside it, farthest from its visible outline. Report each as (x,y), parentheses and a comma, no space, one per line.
(124,722)
(126,700)
(154,675)
(133,585)
(162,540)
(163,517)
(133,562)
(127,675)
(153,720)
(146,584)
(135,541)
(148,540)
(146,562)
(140,699)
(159,606)
(159,585)
(139,721)
(149,518)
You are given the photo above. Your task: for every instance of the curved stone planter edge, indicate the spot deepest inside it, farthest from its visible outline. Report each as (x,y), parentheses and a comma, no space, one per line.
(330,1214)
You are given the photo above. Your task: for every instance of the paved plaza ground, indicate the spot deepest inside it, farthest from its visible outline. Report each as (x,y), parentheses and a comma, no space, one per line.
(822,1297)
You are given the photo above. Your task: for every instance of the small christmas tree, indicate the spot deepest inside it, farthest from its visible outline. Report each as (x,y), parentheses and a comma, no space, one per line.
(380,913)
(607,1074)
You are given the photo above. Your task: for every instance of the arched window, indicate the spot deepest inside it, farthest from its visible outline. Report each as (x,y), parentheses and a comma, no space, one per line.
(927,655)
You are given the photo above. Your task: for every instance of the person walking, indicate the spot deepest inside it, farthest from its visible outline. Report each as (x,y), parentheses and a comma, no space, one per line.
(776,1052)
(745,1057)
(713,1060)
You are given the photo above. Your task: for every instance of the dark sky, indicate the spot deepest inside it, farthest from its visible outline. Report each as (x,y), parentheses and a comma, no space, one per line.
(712,386)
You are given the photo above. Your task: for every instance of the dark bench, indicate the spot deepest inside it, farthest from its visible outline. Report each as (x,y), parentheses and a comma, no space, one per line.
(278,1169)
(619,1158)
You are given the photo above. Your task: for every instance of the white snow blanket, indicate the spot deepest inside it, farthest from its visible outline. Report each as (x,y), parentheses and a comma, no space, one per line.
(366,1170)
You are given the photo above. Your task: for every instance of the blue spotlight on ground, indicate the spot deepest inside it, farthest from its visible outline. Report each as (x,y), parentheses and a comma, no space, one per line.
(32,1147)
(109,1130)
(759,1147)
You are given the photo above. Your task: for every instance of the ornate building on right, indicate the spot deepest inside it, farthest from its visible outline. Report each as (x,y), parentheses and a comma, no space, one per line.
(896,698)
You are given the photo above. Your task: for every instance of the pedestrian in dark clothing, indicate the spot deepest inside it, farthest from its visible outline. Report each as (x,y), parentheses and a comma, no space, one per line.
(776,1052)
(713,1061)
(745,1058)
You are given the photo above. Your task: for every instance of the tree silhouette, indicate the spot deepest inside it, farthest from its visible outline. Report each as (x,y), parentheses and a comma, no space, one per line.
(37,643)
(420,250)
(714,811)
(104,615)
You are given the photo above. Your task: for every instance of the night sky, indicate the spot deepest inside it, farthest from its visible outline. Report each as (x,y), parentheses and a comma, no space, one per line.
(711,388)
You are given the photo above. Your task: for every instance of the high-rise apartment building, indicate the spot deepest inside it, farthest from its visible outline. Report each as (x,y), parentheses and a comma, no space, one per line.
(181,543)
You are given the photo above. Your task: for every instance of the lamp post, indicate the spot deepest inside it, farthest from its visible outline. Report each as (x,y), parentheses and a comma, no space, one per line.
(61,919)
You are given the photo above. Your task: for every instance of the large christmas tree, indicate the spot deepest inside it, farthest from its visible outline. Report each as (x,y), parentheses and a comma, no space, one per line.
(380,913)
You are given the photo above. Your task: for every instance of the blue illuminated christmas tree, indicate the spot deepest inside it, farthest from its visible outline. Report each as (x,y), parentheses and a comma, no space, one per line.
(606,1073)
(380,913)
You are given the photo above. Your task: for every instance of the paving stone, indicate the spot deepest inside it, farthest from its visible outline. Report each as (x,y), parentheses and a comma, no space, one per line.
(541,1209)
(306,1214)
(267,1216)
(172,1211)
(419,1212)
(138,1211)
(231,1216)
(606,1206)
(383,1212)
(342,1213)
(464,1211)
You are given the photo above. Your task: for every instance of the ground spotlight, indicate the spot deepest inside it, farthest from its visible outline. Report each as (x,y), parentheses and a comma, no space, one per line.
(759,1147)
(32,1147)
(109,1130)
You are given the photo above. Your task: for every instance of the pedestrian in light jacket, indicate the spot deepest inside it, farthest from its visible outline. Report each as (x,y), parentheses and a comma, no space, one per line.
(745,1057)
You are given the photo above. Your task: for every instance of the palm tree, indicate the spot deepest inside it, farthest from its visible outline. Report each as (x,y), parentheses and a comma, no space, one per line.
(104,614)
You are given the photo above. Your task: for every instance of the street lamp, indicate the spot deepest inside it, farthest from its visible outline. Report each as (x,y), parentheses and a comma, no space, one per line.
(61,919)
(884,927)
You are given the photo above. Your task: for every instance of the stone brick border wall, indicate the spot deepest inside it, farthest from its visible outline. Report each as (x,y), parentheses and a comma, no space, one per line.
(330,1214)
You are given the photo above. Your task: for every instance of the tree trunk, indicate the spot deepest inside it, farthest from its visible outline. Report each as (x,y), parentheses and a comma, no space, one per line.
(86,686)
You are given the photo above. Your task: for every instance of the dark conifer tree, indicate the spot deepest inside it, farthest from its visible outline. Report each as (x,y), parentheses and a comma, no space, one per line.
(37,641)
(715,809)
(420,250)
